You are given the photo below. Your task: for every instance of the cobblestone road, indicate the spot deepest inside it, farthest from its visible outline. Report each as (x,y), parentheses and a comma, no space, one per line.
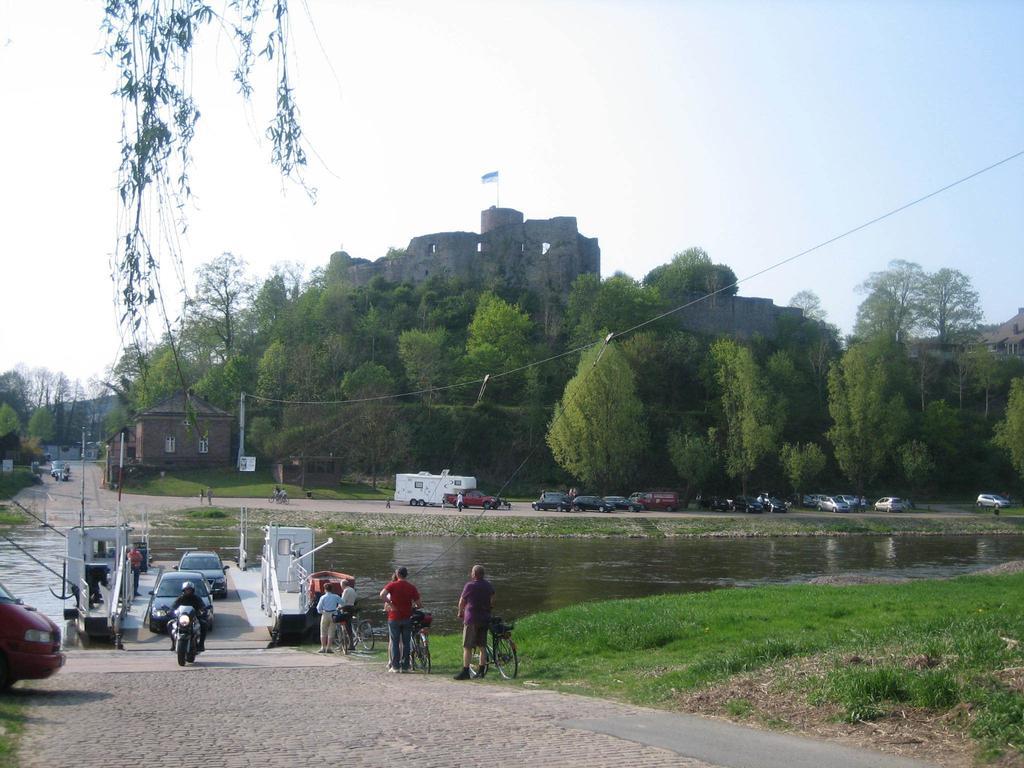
(138,709)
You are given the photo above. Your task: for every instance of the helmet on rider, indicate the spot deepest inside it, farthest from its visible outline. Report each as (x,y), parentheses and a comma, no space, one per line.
(188,586)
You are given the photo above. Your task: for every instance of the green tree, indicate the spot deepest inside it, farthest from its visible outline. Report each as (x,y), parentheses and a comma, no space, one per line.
(984,372)
(498,336)
(375,428)
(803,465)
(695,458)
(9,420)
(596,307)
(223,292)
(916,463)
(950,306)
(892,307)
(1010,431)
(691,272)
(40,424)
(867,420)
(598,433)
(751,419)
(810,303)
(425,357)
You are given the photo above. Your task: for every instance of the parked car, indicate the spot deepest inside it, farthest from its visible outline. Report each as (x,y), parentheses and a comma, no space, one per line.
(473,498)
(850,499)
(621,502)
(773,504)
(552,500)
(890,504)
(812,500)
(833,504)
(208,564)
(718,504)
(591,504)
(168,589)
(746,504)
(29,642)
(666,500)
(993,500)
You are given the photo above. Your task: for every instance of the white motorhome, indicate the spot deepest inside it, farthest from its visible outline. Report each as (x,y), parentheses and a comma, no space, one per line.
(426,490)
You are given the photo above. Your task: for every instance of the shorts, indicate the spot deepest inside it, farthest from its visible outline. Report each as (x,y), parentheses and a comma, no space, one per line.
(326,622)
(474,635)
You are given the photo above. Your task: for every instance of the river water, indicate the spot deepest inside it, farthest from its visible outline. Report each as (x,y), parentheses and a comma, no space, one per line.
(533,575)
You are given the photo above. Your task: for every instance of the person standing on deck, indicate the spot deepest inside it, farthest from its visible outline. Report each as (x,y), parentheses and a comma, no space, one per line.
(460,500)
(400,596)
(135,558)
(328,603)
(475,607)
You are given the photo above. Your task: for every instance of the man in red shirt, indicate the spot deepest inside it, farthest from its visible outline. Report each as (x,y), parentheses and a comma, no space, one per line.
(135,558)
(400,598)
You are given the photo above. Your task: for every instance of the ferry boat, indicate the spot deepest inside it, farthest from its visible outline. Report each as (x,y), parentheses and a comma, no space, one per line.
(98,578)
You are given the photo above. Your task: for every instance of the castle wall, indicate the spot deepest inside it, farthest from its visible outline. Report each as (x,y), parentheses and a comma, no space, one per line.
(742,317)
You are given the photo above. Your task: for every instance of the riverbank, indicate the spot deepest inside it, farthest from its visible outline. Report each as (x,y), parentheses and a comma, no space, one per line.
(626,525)
(932,670)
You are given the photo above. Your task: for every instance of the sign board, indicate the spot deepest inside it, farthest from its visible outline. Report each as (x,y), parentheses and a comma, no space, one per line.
(246,463)
(8,465)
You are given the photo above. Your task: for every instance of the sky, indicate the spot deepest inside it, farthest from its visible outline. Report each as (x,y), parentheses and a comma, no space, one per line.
(754,130)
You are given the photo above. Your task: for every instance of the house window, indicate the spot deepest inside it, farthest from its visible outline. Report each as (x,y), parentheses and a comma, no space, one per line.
(169,444)
(204,444)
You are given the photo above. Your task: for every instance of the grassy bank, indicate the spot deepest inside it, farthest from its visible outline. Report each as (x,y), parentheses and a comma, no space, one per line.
(12,482)
(632,526)
(940,650)
(256,485)
(12,720)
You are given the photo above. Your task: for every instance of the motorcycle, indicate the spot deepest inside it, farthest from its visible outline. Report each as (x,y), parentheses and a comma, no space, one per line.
(186,631)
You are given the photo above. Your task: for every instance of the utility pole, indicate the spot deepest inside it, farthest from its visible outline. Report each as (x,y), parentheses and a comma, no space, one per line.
(241,429)
(81,514)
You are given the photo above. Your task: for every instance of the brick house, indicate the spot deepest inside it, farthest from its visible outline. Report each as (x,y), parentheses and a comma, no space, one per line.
(165,435)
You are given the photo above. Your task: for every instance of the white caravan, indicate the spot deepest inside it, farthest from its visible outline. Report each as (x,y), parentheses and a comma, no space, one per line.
(426,490)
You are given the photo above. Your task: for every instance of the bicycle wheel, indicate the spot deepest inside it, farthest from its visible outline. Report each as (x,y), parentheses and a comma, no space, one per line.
(364,635)
(420,653)
(337,637)
(505,657)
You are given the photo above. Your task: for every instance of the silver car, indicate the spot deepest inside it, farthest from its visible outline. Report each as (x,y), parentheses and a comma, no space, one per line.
(833,504)
(208,564)
(993,500)
(890,504)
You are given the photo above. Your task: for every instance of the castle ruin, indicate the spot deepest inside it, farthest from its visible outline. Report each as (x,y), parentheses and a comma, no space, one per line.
(544,255)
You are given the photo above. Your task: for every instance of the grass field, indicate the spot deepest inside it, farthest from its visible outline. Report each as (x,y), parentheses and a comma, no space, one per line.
(12,720)
(865,643)
(259,485)
(12,482)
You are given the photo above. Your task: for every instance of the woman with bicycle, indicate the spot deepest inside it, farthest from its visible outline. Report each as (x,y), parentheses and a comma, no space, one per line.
(475,606)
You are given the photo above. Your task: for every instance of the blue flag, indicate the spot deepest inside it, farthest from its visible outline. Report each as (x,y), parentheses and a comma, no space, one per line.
(487,178)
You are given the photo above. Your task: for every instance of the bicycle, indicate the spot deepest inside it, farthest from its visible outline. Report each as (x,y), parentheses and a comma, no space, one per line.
(279,497)
(355,633)
(419,652)
(501,651)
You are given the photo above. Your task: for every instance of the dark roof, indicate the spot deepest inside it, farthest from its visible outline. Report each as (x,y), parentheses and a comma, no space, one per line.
(175,406)
(1006,332)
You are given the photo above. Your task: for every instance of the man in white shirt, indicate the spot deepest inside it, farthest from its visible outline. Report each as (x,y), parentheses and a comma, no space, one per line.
(326,606)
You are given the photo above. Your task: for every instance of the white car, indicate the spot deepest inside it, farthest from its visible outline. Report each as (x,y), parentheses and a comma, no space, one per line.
(851,500)
(833,504)
(890,504)
(993,500)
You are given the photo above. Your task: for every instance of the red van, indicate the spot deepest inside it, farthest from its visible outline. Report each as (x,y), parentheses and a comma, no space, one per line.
(29,642)
(666,500)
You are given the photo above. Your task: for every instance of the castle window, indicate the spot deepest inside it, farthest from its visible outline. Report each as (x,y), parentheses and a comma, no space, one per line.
(433,247)
(544,248)
(479,247)
(522,247)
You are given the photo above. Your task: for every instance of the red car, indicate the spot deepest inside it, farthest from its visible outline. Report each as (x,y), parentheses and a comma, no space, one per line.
(29,642)
(473,498)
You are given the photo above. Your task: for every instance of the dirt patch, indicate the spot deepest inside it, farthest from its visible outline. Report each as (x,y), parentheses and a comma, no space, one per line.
(851,579)
(776,698)
(1014,566)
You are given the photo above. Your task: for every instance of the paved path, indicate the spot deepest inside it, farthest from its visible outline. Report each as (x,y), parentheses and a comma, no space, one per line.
(283,707)
(60,503)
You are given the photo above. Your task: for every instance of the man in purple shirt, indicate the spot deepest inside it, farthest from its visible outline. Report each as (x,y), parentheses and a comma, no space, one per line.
(475,606)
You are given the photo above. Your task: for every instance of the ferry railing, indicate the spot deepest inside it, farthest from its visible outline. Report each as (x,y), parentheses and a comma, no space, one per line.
(271,589)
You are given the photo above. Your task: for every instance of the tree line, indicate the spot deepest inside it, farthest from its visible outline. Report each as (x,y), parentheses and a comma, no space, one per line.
(387,377)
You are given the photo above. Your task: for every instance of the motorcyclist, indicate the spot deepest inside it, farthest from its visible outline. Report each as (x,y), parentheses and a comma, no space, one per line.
(189,597)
